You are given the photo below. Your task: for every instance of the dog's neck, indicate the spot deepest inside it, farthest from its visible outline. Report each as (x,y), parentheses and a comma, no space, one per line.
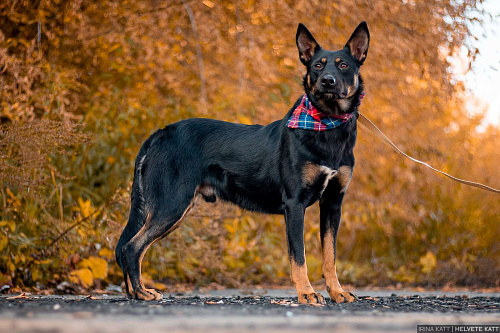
(335,107)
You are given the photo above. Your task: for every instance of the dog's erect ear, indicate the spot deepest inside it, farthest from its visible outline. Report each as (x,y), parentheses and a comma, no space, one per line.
(359,42)
(306,44)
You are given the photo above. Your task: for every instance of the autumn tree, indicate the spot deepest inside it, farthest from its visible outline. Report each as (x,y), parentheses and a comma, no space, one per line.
(83,83)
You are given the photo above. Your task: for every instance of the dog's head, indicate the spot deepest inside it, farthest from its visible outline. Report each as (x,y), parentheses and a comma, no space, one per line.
(332,82)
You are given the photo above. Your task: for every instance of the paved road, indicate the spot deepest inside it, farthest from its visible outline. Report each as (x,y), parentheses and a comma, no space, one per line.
(231,310)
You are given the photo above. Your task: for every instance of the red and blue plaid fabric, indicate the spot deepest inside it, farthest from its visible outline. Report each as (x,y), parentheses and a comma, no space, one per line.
(306,116)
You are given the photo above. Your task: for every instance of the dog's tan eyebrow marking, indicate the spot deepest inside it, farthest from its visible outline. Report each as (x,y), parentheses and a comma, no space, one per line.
(323,60)
(338,60)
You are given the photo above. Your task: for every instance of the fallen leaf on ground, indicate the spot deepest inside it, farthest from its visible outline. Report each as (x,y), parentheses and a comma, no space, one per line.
(284,302)
(212,302)
(21,295)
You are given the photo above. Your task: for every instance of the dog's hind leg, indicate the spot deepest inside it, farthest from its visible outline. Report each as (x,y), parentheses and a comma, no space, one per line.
(159,223)
(138,212)
(136,222)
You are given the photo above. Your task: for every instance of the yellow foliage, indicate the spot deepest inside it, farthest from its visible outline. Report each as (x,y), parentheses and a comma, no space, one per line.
(3,242)
(13,200)
(404,274)
(10,224)
(159,286)
(124,81)
(208,3)
(111,159)
(314,267)
(85,207)
(35,274)
(428,262)
(106,253)
(244,120)
(4,279)
(98,266)
(82,277)
(147,280)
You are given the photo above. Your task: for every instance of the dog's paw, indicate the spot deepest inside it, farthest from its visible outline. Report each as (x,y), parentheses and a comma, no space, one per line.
(340,296)
(312,298)
(148,295)
(158,295)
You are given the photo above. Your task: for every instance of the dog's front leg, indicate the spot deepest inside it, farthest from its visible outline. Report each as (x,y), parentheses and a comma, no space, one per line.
(294,218)
(330,212)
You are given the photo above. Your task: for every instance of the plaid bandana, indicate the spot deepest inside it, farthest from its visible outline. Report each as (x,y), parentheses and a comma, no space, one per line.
(306,116)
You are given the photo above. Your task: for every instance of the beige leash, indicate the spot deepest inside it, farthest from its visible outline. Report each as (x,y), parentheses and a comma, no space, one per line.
(381,136)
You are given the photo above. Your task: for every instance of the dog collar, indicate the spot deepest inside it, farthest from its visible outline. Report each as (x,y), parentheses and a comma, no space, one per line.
(306,116)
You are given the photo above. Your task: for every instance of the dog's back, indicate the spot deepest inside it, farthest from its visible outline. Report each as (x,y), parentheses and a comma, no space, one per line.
(221,159)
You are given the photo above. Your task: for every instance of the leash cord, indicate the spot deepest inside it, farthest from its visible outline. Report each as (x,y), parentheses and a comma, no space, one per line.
(381,136)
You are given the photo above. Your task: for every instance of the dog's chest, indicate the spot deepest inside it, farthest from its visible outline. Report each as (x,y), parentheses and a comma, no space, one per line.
(316,177)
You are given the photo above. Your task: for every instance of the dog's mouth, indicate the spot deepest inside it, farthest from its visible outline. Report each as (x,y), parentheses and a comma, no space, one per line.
(330,95)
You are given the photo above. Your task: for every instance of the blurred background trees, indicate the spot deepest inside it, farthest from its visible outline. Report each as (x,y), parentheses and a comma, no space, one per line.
(83,84)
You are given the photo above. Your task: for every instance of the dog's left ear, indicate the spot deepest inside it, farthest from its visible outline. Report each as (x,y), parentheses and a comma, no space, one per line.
(306,44)
(359,42)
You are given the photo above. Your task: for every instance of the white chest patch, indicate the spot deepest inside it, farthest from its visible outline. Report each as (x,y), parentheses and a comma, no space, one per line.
(344,104)
(330,173)
(311,173)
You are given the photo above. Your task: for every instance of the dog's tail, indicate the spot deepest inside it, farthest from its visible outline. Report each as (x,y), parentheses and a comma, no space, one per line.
(137,216)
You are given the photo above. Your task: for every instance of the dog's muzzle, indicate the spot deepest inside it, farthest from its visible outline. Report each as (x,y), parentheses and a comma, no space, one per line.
(330,89)
(328,81)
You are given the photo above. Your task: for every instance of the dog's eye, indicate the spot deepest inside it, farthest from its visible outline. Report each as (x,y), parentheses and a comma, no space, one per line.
(343,65)
(318,65)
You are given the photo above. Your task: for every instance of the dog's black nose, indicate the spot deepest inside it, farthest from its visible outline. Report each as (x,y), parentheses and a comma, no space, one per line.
(328,81)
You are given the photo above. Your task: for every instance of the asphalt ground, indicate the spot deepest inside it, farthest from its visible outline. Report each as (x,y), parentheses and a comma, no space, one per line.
(247,311)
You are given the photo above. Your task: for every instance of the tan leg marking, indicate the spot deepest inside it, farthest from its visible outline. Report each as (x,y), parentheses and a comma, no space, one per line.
(139,241)
(344,177)
(337,294)
(128,287)
(141,292)
(310,172)
(305,291)
(178,223)
(151,294)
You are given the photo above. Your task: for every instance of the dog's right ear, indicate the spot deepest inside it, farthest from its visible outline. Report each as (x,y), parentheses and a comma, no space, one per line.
(306,44)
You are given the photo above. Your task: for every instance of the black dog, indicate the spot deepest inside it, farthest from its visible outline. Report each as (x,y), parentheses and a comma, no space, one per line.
(280,168)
